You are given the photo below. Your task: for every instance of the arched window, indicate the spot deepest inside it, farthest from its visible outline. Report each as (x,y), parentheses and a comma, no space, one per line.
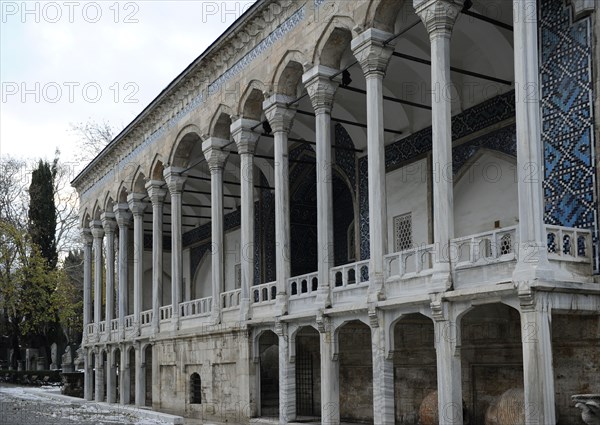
(195,389)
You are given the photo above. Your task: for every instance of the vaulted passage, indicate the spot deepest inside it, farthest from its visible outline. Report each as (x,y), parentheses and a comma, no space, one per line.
(492,364)
(308,373)
(269,374)
(356,373)
(415,371)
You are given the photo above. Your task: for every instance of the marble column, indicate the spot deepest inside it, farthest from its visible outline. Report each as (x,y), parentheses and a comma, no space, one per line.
(88,389)
(140,377)
(245,140)
(538,373)
(281,117)
(449,381)
(111,377)
(123,217)
(137,207)
(321,89)
(287,377)
(330,382)
(383,379)
(157,193)
(215,157)
(374,55)
(98,234)
(109,224)
(99,381)
(124,377)
(175,181)
(532,253)
(86,235)
(439,17)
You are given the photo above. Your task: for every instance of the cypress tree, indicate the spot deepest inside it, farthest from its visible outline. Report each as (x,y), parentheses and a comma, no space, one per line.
(42,211)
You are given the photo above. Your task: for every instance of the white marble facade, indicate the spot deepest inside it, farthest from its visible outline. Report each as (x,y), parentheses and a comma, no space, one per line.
(333,344)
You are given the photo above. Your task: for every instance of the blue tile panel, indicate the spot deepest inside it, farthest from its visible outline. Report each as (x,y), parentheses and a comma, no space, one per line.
(567,117)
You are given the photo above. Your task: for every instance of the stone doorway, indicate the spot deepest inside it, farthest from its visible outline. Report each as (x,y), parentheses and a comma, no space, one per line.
(356,373)
(308,373)
(269,374)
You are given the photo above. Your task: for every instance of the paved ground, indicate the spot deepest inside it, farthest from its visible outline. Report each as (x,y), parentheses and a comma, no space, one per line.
(45,406)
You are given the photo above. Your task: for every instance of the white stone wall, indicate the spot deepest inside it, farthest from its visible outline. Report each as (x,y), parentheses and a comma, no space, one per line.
(485,192)
(407,193)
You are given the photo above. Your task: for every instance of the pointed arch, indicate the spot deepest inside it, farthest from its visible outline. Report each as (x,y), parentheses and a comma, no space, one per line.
(122,193)
(157,168)
(220,123)
(184,144)
(250,105)
(139,182)
(382,14)
(85,219)
(333,42)
(288,74)
(96,211)
(108,203)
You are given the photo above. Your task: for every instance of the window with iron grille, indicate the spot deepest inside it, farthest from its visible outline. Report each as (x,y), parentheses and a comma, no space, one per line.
(195,389)
(403,232)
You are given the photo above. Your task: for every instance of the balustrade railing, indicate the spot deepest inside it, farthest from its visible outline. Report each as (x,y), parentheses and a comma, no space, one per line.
(264,293)
(569,244)
(350,275)
(165,313)
(90,329)
(231,299)
(493,246)
(304,285)
(409,262)
(114,325)
(146,317)
(129,321)
(102,327)
(198,307)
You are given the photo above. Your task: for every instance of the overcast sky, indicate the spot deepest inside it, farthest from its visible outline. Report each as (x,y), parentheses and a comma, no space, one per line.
(69,62)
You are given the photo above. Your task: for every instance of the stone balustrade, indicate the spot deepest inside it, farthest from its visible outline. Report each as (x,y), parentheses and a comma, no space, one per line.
(408,272)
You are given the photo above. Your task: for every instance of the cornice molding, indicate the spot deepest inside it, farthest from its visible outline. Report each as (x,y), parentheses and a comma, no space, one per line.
(224,60)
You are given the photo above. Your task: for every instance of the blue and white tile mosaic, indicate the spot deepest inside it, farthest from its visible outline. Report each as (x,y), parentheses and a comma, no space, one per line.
(567,116)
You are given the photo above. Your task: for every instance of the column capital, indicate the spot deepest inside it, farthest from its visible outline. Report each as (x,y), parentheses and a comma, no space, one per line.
(321,87)
(174,179)
(245,138)
(108,222)
(438,16)
(97,229)
(136,205)
(278,113)
(86,235)
(212,147)
(122,214)
(156,191)
(372,51)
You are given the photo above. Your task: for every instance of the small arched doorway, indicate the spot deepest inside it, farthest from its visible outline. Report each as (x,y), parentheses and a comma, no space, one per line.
(268,344)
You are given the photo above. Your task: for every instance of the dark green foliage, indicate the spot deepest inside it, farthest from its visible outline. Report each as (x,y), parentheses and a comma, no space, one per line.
(42,211)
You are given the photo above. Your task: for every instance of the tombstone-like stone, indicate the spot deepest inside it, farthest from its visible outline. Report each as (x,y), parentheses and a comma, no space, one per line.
(40,363)
(67,360)
(79,359)
(54,356)
(31,355)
